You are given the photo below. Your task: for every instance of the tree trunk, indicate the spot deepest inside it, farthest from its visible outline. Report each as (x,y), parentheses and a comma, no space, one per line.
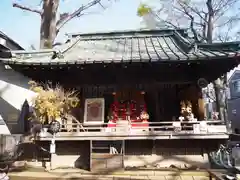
(210,21)
(216,83)
(48,23)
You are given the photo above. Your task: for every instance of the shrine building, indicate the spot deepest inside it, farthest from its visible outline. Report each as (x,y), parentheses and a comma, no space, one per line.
(140,96)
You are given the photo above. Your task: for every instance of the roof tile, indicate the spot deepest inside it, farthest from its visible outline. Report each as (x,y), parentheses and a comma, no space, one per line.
(140,46)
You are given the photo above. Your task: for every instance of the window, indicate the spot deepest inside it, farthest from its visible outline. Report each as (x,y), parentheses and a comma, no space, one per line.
(236,86)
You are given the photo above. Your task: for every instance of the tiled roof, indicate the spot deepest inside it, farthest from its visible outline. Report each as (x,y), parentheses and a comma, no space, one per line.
(13,43)
(134,46)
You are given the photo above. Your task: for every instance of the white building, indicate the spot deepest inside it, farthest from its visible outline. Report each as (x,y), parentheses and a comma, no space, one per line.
(13,91)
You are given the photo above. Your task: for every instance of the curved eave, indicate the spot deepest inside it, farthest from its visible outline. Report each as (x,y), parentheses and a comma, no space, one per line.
(15,44)
(63,62)
(209,69)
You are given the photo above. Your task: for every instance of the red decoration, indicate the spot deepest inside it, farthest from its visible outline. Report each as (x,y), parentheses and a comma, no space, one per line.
(143,107)
(123,110)
(133,105)
(132,108)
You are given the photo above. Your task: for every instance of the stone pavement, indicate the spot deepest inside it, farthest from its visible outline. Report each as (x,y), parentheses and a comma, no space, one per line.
(126,175)
(106,177)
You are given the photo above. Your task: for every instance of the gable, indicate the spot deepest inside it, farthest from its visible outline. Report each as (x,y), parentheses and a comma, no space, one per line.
(235,75)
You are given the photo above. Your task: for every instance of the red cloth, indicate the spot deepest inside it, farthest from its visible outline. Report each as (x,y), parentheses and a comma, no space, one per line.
(139,123)
(134,123)
(111,125)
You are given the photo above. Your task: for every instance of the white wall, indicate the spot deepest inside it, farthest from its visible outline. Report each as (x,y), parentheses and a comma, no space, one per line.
(14,90)
(230,73)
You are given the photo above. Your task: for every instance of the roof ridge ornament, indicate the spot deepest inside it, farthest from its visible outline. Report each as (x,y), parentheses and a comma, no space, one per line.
(57,54)
(185,43)
(71,45)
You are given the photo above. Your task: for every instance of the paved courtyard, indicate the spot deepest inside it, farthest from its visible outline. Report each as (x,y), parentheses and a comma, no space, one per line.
(126,175)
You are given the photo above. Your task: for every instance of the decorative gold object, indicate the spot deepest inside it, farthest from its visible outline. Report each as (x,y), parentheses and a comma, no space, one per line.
(186,111)
(144,115)
(142,92)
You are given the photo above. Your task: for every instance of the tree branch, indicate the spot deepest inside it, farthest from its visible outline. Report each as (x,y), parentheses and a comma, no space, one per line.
(224,6)
(204,26)
(26,8)
(194,10)
(168,22)
(191,22)
(67,17)
(228,22)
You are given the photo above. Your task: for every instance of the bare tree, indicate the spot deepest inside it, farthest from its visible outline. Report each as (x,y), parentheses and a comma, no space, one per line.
(50,25)
(208,20)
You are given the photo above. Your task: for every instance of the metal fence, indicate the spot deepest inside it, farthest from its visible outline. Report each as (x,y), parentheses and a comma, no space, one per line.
(8,142)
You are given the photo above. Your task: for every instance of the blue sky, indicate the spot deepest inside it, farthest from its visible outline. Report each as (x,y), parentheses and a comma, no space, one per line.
(23,26)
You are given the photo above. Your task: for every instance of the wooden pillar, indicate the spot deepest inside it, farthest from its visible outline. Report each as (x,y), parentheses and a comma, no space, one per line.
(201,106)
(157,111)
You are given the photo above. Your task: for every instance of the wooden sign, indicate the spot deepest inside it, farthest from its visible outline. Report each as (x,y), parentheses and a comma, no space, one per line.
(94,111)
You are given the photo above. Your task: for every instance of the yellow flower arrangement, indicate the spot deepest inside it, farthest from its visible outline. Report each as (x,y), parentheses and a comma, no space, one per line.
(52,102)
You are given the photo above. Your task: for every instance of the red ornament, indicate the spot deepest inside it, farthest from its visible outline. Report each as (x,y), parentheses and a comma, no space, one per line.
(132,106)
(115,116)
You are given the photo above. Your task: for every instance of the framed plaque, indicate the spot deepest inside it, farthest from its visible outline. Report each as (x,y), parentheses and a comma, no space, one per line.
(94,111)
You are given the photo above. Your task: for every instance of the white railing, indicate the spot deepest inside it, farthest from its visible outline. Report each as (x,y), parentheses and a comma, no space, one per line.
(186,127)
